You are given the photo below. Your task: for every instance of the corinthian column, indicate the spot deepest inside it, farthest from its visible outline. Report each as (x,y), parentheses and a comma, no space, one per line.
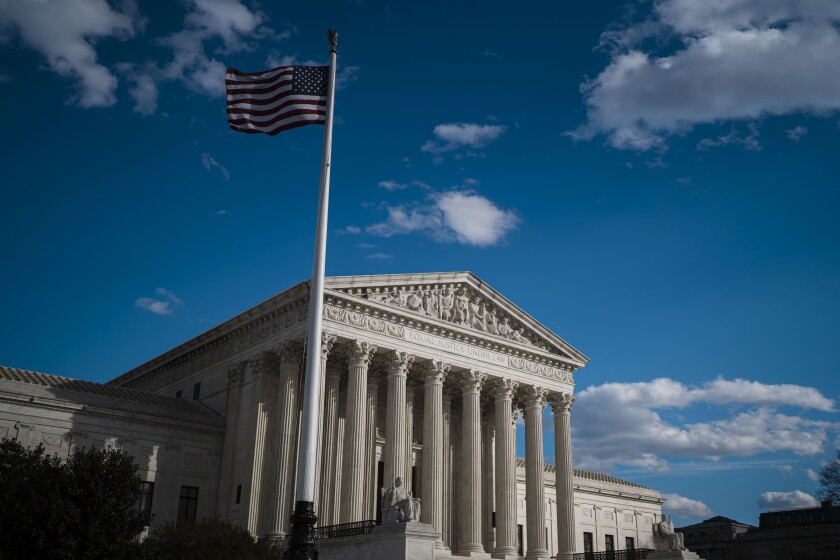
(355,450)
(395,421)
(371,492)
(446,481)
(561,405)
(535,472)
(290,355)
(329,449)
(471,465)
(432,487)
(327,341)
(505,470)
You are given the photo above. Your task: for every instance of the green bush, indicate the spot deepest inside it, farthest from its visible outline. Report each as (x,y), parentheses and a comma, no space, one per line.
(80,509)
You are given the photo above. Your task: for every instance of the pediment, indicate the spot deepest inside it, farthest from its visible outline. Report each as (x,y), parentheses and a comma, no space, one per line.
(459,300)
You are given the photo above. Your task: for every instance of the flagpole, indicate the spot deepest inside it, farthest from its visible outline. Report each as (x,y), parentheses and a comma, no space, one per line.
(302,536)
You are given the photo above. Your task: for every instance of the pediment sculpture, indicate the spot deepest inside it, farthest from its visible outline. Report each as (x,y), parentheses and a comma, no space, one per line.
(398,505)
(457,305)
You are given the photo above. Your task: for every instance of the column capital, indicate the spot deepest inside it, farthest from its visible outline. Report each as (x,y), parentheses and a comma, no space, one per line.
(534,396)
(235,374)
(561,403)
(360,352)
(435,371)
(327,342)
(503,388)
(472,381)
(289,350)
(399,362)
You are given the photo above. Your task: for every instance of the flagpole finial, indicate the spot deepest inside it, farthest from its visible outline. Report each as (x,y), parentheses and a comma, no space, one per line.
(332,37)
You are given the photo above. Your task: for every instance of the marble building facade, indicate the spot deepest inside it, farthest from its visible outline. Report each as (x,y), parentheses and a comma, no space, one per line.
(425,376)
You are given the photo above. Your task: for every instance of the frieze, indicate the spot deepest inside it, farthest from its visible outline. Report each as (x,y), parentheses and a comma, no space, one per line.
(456,304)
(362,321)
(52,439)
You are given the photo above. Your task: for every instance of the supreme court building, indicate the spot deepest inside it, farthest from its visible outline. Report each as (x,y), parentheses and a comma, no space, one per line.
(427,377)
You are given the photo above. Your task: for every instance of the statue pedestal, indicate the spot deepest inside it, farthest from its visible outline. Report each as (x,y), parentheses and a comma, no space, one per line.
(392,541)
(673,555)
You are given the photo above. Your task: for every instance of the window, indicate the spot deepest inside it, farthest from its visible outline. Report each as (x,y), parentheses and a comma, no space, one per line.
(609,543)
(629,543)
(178,393)
(196,391)
(587,542)
(238,493)
(144,499)
(519,549)
(188,503)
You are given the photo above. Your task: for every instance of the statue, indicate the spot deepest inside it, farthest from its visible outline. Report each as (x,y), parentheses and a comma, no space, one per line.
(462,304)
(398,505)
(664,537)
(446,302)
(414,302)
(430,302)
(492,322)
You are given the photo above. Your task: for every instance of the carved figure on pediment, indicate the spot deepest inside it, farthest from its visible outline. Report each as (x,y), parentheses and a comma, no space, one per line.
(398,505)
(519,336)
(505,328)
(414,302)
(478,314)
(492,322)
(430,302)
(447,300)
(462,305)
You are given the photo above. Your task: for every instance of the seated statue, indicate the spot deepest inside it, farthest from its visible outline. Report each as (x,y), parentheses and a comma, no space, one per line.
(664,537)
(398,506)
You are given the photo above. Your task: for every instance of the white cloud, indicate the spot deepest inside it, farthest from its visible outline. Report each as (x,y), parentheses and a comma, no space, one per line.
(682,507)
(379,257)
(452,136)
(736,60)
(641,431)
(169,295)
(207,22)
(393,185)
(65,32)
(812,475)
(459,215)
(734,138)
(787,500)
(159,306)
(209,163)
(796,133)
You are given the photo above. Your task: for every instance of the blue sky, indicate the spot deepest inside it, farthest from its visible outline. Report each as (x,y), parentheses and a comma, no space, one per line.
(654,181)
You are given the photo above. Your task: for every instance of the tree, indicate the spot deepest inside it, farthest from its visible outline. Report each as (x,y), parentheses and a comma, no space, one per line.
(84,508)
(830,481)
(207,539)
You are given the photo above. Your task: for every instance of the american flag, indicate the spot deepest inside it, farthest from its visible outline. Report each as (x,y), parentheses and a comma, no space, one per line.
(277,99)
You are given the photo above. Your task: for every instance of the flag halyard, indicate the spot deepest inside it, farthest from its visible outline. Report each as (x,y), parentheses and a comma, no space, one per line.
(275,100)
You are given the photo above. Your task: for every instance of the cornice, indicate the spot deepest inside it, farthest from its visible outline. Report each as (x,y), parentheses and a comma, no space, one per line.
(89,410)
(277,314)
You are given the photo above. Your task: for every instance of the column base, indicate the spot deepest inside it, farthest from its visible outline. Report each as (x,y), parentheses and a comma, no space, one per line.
(472,554)
(536,554)
(507,553)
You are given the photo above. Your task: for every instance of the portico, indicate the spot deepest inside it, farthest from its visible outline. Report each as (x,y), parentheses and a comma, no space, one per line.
(449,366)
